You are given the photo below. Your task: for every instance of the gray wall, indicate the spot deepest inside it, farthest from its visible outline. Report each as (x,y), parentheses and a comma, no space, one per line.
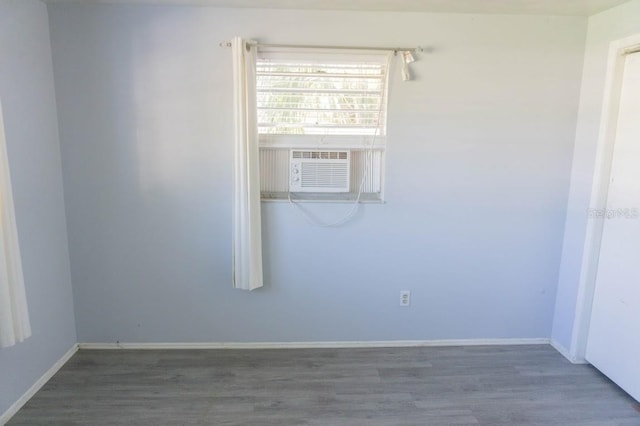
(603,28)
(478,164)
(27,93)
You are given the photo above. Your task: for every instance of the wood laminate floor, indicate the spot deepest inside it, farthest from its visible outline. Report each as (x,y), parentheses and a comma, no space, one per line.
(497,385)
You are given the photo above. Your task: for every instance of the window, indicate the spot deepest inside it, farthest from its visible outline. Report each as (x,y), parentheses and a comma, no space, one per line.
(322,101)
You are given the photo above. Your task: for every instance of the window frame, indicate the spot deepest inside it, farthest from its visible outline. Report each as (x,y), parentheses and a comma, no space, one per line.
(356,143)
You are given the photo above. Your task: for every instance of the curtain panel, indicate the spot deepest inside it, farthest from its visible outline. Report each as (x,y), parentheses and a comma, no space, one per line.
(247,232)
(14,314)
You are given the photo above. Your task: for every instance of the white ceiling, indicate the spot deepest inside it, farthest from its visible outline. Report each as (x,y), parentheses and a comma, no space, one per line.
(527,7)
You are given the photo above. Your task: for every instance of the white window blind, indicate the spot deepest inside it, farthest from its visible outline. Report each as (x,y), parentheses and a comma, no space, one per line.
(321,97)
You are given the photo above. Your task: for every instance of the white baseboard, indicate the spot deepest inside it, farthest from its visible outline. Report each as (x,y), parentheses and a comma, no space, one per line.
(11,411)
(565,353)
(316,345)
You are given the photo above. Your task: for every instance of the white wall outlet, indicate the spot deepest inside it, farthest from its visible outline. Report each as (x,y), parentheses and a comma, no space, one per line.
(405,298)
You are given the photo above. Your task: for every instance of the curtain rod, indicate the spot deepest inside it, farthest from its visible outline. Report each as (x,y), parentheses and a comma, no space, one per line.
(308,46)
(632,50)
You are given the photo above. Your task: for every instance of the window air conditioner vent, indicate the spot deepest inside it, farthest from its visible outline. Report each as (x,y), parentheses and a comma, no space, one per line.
(319,171)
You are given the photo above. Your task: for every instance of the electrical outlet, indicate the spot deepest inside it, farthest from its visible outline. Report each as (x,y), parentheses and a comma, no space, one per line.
(405,298)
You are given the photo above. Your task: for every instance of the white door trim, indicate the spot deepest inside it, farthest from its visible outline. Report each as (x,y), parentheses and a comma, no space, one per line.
(599,191)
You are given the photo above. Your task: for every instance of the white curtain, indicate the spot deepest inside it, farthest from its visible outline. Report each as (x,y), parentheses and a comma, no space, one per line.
(14,315)
(247,234)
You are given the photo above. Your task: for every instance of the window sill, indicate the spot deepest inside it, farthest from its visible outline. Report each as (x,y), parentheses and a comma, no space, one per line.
(316,197)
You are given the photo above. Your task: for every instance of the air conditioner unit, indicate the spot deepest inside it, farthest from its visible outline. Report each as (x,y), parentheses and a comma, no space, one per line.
(319,171)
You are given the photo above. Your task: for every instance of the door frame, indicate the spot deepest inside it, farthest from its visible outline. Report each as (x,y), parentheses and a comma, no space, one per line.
(599,193)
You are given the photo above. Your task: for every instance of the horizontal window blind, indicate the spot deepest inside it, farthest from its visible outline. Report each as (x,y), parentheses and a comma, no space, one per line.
(321,98)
